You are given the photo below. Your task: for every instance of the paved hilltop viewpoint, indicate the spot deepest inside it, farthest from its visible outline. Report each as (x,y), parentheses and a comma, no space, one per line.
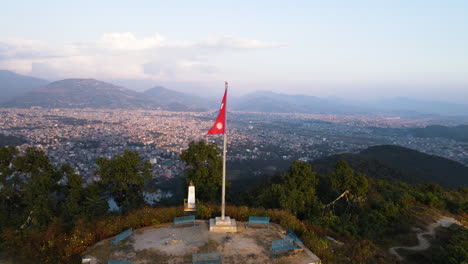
(176,244)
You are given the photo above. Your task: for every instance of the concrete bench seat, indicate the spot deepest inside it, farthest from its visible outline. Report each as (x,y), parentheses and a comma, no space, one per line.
(121,237)
(184,219)
(281,245)
(293,236)
(259,220)
(206,258)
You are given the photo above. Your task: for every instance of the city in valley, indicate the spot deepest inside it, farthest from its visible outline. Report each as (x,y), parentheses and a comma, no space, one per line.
(79,136)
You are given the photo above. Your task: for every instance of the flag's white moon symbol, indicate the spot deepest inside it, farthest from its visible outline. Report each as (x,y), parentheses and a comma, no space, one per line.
(219,125)
(222,105)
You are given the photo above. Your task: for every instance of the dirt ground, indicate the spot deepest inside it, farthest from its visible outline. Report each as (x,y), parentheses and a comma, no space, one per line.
(423,242)
(176,244)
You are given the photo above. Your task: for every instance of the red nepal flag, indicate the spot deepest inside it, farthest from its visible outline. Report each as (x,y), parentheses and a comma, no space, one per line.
(219,126)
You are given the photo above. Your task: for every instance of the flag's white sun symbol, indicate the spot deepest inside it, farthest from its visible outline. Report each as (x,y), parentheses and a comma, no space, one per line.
(219,125)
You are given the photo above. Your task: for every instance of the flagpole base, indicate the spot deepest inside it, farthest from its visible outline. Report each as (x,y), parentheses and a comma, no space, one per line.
(223,226)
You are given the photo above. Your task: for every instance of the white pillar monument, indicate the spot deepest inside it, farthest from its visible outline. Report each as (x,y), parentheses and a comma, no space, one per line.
(189,203)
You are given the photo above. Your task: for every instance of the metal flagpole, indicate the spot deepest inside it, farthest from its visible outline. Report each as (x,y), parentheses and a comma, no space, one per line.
(224,161)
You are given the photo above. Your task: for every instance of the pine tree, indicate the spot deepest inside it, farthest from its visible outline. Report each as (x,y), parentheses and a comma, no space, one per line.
(204,170)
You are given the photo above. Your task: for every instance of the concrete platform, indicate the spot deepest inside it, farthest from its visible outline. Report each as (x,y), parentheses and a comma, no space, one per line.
(223,226)
(176,244)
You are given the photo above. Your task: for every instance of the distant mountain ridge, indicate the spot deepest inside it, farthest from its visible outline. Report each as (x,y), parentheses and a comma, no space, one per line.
(270,102)
(91,93)
(399,163)
(176,101)
(81,93)
(404,105)
(13,84)
(23,91)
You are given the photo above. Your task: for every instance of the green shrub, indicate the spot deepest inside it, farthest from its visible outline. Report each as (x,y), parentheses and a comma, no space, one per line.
(204,212)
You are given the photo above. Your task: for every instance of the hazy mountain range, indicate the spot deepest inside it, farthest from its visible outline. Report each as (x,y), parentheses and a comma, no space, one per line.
(90,93)
(12,85)
(80,93)
(264,101)
(24,92)
(177,101)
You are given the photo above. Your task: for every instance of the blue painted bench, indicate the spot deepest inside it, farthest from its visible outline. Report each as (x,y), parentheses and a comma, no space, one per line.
(293,236)
(184,219)
(206,258)
(285,244)
(121,236)
(259,220)
(118,262)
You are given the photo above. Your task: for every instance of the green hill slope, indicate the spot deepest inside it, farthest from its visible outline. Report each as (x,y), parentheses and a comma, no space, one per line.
(371,167)
(429,168)
(399,163)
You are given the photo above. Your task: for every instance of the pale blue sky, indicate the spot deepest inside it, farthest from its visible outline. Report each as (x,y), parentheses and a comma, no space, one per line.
(358,49)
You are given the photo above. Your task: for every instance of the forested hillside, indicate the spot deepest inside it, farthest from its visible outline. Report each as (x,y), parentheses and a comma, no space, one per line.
(353,208)
(48,215)
(398,163)
(428,168)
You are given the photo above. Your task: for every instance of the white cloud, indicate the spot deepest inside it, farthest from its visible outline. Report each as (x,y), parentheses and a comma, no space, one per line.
(122,55)
(128,41)
(18,49)
(233,42)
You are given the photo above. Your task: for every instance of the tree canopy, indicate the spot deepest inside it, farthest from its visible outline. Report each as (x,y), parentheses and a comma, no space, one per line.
(31,195)
(294,191)
(345,178)
(125,176)
(204,170)
(38,191)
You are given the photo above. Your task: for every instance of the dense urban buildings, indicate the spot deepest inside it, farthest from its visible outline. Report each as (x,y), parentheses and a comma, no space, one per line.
(79,136)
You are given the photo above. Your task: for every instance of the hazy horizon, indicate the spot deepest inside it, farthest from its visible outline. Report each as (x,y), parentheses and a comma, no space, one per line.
(364,50)
(214,90)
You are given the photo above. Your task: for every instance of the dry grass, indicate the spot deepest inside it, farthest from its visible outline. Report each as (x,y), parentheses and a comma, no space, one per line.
(101,251)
